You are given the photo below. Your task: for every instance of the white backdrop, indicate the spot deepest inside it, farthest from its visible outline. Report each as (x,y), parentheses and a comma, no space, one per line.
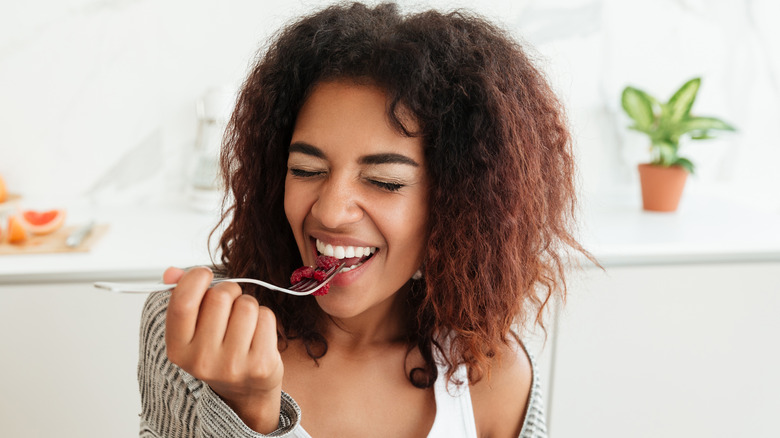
(103,91)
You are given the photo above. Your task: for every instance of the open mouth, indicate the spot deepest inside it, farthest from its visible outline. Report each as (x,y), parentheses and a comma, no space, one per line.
(352,256)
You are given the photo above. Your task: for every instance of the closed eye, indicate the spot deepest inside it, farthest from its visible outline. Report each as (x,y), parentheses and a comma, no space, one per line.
(384,185)
(304,173)
(391,187)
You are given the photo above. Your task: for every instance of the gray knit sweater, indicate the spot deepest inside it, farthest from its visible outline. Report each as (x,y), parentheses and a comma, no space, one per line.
(175,404)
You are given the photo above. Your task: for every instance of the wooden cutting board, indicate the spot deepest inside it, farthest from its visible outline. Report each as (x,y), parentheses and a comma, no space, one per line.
(54,242)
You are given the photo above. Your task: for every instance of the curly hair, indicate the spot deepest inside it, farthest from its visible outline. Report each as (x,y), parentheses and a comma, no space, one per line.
(499,159)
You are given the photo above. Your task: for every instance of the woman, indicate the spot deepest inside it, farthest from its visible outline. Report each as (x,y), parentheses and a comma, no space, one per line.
(431,156)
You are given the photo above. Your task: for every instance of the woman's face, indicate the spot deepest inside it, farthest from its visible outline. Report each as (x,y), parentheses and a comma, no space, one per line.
(357,190)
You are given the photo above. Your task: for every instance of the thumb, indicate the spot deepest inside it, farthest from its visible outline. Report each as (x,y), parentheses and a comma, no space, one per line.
(172,275)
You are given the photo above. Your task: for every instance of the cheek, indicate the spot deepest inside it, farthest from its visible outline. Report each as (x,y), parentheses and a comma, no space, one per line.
(410,225)
(295,206)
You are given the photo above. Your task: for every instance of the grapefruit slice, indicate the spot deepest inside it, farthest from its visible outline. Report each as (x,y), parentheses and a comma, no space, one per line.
(43,222)
(16,232)
(3,191)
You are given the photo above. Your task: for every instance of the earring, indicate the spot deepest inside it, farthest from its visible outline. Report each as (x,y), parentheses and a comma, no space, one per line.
(417,275)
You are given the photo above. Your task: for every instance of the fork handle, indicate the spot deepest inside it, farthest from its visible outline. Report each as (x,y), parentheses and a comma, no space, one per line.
(134,288)
(159,287)
(146,288)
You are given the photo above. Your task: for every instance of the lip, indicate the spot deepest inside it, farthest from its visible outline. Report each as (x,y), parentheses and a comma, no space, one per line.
(349,277)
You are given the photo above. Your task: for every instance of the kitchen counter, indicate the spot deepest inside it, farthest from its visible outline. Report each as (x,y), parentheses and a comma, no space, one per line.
(141,242)
(706,228)
(144,240)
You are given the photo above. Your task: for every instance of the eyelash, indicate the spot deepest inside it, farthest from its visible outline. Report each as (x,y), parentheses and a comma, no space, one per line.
(303,173)
(390,187)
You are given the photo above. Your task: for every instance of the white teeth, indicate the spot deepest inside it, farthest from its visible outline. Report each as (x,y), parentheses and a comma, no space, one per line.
(341,252)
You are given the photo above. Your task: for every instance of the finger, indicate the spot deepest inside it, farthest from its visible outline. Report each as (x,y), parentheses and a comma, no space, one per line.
(265,338)
(264,357)
(184,306)
(215,310)
(241,326)
(172,275)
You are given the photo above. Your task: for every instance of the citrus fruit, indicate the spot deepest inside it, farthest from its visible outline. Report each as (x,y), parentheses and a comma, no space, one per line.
(3,191)
(16,232)
(43,222)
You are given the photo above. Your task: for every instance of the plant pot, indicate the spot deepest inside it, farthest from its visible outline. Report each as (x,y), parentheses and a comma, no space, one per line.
(662,187)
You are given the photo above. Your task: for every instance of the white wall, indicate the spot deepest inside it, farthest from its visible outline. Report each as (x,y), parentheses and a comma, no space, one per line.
(104,90)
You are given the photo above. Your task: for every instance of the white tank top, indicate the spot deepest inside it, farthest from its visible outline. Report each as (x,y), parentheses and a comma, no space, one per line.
(454,413)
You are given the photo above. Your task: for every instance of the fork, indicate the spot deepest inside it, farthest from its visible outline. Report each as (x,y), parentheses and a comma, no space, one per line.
(301,288)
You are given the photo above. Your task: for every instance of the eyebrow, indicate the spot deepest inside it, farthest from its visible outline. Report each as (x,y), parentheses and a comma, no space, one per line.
(306,148)
(385,158)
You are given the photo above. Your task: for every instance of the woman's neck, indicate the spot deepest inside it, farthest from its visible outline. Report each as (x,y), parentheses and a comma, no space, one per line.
(383,324)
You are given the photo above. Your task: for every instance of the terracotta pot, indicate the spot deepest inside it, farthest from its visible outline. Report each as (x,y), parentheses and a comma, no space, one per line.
(662,187)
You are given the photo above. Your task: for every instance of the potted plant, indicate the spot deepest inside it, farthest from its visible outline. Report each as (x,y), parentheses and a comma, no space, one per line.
(663,179)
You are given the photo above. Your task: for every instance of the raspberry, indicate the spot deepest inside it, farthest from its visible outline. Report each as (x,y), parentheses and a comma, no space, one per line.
(319,274)
(322,291)
(301,273)
(327,262)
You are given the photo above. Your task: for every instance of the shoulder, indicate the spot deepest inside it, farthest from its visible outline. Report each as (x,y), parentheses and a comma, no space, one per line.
(501,399)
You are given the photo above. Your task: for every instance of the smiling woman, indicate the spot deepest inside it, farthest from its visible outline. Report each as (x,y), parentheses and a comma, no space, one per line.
(428,155)
(363,185)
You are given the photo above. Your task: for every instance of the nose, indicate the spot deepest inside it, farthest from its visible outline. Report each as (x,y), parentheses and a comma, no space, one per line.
(337,203)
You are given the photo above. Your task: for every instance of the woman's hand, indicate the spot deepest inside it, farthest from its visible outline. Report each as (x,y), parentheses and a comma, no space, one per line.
(227,340)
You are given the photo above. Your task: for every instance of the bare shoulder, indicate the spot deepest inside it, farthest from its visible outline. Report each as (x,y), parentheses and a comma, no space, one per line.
(500,401)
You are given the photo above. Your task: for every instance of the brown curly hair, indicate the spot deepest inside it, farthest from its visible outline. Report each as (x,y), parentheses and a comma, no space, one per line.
(499,159)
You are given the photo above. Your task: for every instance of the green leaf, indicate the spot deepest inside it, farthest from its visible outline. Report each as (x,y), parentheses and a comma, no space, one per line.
(681,102)
(639,106)
(700,125)
(684,163)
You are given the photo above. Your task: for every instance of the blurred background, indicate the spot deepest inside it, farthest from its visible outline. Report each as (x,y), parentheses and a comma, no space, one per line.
(112,109)
(87,83)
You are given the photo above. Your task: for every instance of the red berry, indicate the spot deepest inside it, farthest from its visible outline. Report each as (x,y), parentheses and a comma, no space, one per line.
(327,262)
(301,273)
(319,275)
(322,291)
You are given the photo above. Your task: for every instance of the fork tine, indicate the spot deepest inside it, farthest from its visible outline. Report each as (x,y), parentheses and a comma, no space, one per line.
(311,284)
(303,285)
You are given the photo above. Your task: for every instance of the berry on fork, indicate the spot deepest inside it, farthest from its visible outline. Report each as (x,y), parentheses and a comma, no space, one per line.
(327,262)
(302,273)
(319,274)
(322,291)
(324,263)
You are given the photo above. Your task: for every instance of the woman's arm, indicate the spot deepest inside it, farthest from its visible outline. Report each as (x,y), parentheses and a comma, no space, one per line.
(174,403)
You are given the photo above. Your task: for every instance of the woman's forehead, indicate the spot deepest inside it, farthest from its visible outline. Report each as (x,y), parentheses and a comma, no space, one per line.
(346,114)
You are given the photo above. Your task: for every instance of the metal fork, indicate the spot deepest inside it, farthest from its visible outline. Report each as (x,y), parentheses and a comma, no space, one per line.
(301,288)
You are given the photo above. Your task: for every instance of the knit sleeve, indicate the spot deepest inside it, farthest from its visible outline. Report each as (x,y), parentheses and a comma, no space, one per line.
(534,425)
(174,404)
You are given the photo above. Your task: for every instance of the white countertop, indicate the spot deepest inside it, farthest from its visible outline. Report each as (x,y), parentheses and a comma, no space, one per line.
(141,242)
(705,229)
(144,240)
